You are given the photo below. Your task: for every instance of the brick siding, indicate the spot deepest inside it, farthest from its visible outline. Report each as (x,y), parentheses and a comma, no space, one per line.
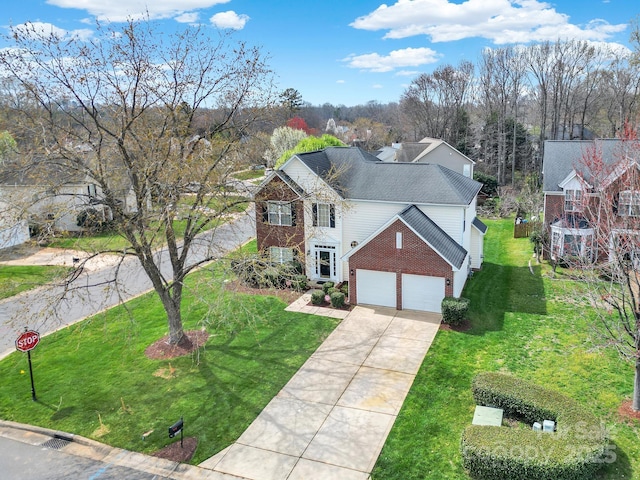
(415,257)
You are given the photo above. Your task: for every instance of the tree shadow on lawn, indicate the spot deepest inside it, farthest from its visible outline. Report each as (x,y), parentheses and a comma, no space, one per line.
(498,289)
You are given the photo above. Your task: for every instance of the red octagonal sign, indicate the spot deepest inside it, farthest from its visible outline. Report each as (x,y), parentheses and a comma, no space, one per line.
(27,341)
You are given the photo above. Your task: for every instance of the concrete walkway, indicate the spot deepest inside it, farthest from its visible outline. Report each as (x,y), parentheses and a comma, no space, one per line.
(333,417)
(329,422)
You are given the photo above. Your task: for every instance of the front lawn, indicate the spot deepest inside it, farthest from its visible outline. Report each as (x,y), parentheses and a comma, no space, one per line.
(17,278)
(534,326)
(93,378)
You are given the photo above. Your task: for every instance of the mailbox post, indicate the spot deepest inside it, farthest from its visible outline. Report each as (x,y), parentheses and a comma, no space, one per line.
(177,428)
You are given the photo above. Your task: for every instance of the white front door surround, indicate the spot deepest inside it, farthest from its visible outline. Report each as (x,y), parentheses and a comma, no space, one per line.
(324,260)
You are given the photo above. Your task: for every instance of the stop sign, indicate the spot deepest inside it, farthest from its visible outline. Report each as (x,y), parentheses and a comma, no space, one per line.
(27,341)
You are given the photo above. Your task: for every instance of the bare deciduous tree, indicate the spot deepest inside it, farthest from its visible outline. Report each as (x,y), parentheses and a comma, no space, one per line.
(117,110)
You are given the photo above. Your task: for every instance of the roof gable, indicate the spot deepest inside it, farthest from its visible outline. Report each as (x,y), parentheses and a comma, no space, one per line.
(358,175)
(479,225)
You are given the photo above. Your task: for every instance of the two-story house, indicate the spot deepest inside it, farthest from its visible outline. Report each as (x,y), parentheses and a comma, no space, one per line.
(428,150)
(403,235)
(592,198)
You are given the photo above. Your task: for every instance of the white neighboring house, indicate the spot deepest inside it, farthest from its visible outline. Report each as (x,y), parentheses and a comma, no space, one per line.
(404,235)
(54,202)
(13,230)
(428,150)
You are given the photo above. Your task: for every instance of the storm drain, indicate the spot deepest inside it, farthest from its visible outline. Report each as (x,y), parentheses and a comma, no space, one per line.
(56,443)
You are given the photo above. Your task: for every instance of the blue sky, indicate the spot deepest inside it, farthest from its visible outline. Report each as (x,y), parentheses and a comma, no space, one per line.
(353,51)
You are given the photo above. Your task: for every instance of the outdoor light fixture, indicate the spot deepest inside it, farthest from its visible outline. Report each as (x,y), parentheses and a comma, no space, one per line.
(354,244)
(351,271)
(448,282)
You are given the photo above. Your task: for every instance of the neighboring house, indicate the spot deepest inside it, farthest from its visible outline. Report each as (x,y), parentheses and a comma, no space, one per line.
(54,199)
(13,230)
(592,198)
(403,235)
(428,150)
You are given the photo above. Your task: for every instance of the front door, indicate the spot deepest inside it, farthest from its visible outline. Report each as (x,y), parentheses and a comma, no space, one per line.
(325,264)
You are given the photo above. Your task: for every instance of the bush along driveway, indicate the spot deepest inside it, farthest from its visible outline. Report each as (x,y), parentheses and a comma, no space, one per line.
(534,326)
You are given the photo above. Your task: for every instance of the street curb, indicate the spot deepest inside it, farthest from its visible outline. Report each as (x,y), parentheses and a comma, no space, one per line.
(113,455)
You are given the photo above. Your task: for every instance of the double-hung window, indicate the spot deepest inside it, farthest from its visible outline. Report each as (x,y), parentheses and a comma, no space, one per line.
(573,200)
(281,254)
(324,215)
(279,213)
(629,204)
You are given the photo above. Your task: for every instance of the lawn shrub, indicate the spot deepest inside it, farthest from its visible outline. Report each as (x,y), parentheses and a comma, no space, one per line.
(575,451)
(337,299)
(326,286)
(300,283)
(317,297)
(454,310)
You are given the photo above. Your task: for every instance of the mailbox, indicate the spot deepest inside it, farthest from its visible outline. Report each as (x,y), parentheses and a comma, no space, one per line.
(176,428)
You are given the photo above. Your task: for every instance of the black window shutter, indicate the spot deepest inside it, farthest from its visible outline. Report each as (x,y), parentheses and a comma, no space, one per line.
(265,212)
(293,214)
(332,216)
(315,214)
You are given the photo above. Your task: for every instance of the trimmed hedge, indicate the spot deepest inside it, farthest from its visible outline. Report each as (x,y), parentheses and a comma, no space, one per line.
(575,451)
(326,286)
(337,299)
(317,297)
(454,310)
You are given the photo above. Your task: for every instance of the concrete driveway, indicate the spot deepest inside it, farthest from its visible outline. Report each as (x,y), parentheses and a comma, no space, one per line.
(333,417)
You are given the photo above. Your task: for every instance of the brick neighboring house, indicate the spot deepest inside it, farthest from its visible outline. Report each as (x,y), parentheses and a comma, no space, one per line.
(592,198)
(403,235)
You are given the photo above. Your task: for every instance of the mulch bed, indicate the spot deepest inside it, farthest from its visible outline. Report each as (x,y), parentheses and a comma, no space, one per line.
(177,453)
(286,295)
(192,340)
(346,307)
(626,412)
(463,327)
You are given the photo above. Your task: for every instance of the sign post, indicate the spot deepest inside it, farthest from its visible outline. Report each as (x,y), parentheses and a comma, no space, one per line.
(26,342)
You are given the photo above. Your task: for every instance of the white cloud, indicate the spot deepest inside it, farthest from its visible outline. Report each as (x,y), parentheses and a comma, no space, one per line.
(41,30)
(340,81)
(408,57)
(502,21)
(377,86)
(190,17)
(407,73)
(121,10)
(229,19)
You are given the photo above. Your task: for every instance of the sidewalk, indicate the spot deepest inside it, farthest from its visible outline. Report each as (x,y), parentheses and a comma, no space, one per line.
(329,422)
(333,417)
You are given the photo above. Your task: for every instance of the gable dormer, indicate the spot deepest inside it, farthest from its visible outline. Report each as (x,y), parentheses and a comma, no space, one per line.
(573,187)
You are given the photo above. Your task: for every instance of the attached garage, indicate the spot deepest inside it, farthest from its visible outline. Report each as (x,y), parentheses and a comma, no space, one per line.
(376,288)
(420,292)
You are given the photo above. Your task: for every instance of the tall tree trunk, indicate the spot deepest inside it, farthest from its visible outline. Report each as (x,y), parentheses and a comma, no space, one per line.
(636,387)
(171,302)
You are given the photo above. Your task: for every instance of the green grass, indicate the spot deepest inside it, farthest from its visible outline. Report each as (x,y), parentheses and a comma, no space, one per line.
(534,326)
(249,174)
(17,278)
(93,377)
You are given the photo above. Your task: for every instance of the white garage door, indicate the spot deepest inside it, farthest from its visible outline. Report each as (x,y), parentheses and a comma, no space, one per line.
(420,292)
(376,288)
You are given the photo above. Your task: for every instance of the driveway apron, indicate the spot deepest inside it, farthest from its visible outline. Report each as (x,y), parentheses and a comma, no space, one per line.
(333,417)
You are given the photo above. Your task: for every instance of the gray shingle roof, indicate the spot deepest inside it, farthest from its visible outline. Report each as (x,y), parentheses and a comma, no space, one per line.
(431,233)
(563,156)
(479,225)
(358,175)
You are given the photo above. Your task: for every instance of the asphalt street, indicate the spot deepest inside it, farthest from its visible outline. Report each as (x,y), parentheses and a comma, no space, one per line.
(20,461)
(50,308)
